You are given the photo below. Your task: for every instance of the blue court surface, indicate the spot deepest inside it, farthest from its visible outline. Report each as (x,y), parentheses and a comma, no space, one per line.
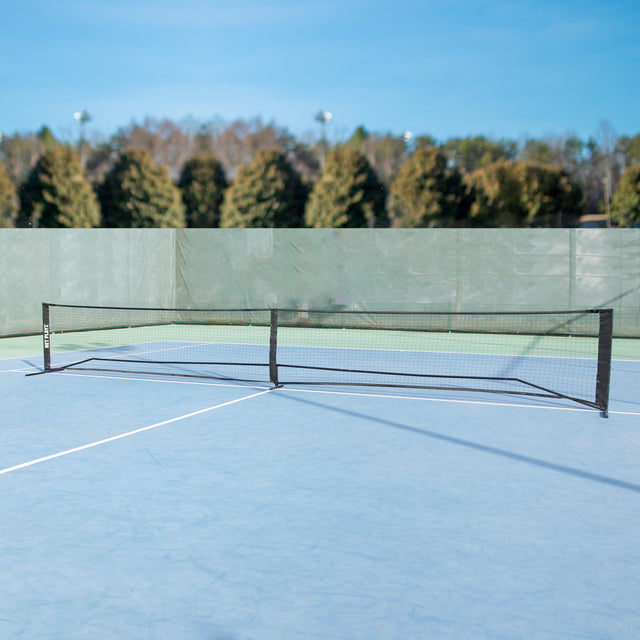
(138,507)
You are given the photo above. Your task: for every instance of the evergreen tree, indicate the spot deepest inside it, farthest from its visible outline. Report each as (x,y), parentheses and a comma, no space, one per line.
(57,194)
(625,204)
(203,183)
(498,200)
(522,194)
(357,139)
(425,193)
(136,193)
(8,199)
(551,199)
(348,194)
(630,148)
(48,139)
(269,193)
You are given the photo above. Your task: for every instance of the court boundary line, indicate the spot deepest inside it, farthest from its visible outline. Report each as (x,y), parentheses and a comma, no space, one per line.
(120,436)
(349,393)
(234,384)
(452,401)
(290,388)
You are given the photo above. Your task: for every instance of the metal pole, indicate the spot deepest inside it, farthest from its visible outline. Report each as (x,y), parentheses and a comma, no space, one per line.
(324,118)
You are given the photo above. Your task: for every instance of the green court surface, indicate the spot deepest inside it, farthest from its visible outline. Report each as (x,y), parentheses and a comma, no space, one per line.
(623,348)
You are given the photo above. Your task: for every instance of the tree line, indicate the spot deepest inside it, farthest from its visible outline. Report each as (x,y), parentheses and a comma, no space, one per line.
(248,174)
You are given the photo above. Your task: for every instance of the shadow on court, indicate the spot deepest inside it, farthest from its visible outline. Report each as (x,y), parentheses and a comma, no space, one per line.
(494,451)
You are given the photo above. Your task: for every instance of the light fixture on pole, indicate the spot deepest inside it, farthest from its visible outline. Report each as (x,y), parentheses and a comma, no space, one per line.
(324,118)
(407,137)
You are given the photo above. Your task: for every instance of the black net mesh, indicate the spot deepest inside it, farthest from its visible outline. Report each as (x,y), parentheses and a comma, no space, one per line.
(555,354)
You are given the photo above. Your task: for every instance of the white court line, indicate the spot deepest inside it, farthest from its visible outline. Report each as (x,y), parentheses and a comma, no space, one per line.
(231,383)
(124,356)
(24,369)
(129,433)
(452,401)
(335,393)
(352,393)
(356,394)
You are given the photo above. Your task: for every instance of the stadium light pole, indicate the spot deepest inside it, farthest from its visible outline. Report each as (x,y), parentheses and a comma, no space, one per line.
(82,117)
(407,137)
(324,118)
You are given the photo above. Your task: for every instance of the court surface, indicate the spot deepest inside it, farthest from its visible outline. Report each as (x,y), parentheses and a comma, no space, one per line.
(140,507)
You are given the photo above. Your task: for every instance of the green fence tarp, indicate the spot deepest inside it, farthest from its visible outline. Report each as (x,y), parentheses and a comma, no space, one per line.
(377,269)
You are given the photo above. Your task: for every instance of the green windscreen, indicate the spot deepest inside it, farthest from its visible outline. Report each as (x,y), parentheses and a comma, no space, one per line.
(344,269)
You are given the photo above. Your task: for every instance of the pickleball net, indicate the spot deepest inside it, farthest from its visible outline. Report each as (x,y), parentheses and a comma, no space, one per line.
(561,354)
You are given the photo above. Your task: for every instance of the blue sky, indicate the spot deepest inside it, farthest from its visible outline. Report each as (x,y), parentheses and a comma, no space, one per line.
(500,68)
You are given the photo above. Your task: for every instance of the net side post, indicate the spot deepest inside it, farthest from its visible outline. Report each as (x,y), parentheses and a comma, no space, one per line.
(603,376)
(46,336)
(273,348)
